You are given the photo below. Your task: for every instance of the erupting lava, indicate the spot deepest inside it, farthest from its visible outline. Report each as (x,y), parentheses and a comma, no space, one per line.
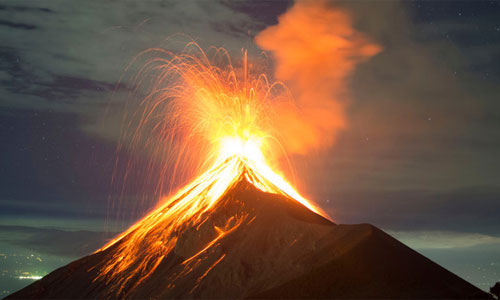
(202,115)
(191,207)
(223,112)
(240,230)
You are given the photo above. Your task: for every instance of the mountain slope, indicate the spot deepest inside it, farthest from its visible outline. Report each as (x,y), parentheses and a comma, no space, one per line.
(253,244)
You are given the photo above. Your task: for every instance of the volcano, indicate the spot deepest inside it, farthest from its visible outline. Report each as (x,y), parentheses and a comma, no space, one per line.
(248,243)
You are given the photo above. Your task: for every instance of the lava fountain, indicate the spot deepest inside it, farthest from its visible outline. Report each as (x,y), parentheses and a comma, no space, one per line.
(211,117)
(240,230)
(200,114)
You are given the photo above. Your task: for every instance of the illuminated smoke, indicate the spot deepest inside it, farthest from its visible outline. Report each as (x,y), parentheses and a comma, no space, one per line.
(202,116)
(315,48)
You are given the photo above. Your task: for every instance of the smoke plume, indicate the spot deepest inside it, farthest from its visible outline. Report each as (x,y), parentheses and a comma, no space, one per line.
(315,49)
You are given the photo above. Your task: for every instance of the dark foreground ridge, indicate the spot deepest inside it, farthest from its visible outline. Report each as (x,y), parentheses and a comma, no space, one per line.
(279,250)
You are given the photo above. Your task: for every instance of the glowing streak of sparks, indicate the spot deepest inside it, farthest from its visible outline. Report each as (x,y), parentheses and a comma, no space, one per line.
(218,120)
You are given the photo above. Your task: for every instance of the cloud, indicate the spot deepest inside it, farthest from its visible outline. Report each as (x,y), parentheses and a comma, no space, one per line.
(443,239)
(65,56)
(463,210)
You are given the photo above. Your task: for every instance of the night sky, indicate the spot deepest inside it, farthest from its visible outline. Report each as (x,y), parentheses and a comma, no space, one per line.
(419,157)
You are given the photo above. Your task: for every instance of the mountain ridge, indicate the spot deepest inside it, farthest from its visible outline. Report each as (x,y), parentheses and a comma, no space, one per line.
(254,244)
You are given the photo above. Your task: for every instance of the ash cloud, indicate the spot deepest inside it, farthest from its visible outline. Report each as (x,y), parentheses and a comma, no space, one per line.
(316,49)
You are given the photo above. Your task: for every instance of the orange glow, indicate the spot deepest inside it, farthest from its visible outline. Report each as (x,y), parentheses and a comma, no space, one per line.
(202,115)
(316,48)
(189,207)
(218,116)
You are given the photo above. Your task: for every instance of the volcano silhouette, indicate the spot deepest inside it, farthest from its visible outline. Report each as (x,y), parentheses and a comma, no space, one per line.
(253,244)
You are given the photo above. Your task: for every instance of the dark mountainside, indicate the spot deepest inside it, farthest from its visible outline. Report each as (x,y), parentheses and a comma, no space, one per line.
(279,250)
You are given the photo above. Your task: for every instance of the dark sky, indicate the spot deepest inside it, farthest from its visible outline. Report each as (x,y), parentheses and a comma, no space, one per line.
(420,153)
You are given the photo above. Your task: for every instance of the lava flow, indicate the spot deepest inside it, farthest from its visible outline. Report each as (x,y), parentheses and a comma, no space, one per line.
(225,113)
(203,115)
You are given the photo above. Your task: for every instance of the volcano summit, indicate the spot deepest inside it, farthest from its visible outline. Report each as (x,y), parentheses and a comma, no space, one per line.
(248,243)
(239,230)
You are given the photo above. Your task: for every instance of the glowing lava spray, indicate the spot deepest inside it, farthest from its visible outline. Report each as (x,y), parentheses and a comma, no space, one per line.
(203,115)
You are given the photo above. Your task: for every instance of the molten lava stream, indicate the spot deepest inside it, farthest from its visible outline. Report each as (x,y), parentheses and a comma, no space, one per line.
(198,111)
(200,196)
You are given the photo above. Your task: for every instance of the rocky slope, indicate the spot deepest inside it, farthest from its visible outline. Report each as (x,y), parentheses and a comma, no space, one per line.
(258,245)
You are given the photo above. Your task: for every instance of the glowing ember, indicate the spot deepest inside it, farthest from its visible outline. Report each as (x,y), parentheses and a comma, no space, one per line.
(203,104)
(200,112)
(202,115)
(189,208)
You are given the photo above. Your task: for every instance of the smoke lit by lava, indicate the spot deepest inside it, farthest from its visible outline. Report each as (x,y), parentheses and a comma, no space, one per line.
(203,115)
